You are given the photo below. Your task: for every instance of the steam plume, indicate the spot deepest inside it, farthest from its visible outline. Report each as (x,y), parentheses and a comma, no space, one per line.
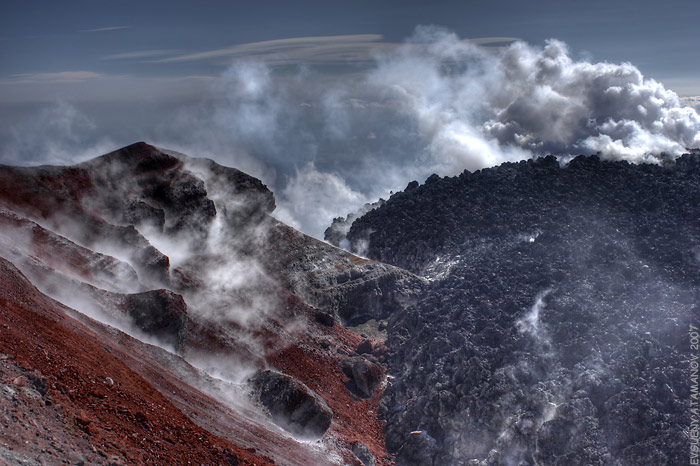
(440,104)
(477,107)
(434,104)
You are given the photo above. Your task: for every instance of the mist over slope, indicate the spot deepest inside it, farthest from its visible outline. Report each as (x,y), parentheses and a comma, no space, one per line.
(534,313)
(145,288)
(554,328)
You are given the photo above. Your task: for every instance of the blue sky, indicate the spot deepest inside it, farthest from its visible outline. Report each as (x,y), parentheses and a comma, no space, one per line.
(335,103)
(661,38)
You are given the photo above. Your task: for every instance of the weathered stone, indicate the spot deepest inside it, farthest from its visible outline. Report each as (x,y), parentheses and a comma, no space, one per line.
(363,454)
(292,405)
(324,318)
(160,313)
(365,347)
(364,376)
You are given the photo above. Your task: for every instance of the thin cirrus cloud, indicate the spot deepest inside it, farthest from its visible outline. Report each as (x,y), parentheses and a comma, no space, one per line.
(62,76)
(358,48)
(140,54)
(105,29)
(311,49)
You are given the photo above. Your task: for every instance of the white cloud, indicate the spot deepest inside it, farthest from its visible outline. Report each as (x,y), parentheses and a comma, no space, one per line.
(299,49)
(140,54)
(61,76)
(105,29)
(313,198)
(435,104)
(358,48)
(479,107)
(692,101)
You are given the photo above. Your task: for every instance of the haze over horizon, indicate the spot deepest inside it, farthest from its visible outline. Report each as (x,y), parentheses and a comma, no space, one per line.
(334,105)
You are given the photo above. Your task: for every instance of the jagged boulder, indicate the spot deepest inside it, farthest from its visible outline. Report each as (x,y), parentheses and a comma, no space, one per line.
(160,313)
(292,405)
(349,287)
(163,189)
(324,318)
(366,347)
(243,200)
(364,376)
(363,454)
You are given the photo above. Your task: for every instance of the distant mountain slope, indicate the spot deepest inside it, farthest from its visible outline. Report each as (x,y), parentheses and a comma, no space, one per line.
(555,327)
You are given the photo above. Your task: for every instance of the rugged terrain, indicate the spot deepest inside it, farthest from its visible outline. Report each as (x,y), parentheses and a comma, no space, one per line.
(554,329)
(154,313)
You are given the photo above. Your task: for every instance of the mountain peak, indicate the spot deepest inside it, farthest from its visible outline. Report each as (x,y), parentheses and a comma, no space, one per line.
(137,158)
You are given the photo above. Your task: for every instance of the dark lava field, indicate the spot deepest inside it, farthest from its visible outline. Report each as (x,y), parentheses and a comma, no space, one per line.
(553,326)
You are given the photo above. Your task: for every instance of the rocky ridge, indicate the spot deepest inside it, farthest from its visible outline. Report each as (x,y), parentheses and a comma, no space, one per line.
(172,267)
(533,313)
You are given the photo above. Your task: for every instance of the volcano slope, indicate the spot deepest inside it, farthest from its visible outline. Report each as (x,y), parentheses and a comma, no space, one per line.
(153,312)
(554,329)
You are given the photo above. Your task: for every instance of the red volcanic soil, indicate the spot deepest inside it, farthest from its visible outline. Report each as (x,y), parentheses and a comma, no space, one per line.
(354,419)
(43,191)
(65,398)
(55,252)
(74,390)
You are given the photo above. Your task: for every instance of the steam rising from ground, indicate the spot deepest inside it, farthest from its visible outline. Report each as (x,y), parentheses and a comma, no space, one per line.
(477,107)
(312,197)
(326,141)
(530,323)
(441,104)
(59,134)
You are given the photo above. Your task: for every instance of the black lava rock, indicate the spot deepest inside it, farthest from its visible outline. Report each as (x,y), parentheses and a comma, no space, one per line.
(363,454)
(553,329)
(292,405)
(160,313)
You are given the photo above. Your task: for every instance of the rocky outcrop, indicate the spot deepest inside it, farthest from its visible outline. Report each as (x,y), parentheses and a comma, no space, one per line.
(72,392)
(142,183)
(167,264)
(160,313)
(243,199)
(532,314)
(292,405)
(21,238)
(363,454)
(364,376)
(353,289)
